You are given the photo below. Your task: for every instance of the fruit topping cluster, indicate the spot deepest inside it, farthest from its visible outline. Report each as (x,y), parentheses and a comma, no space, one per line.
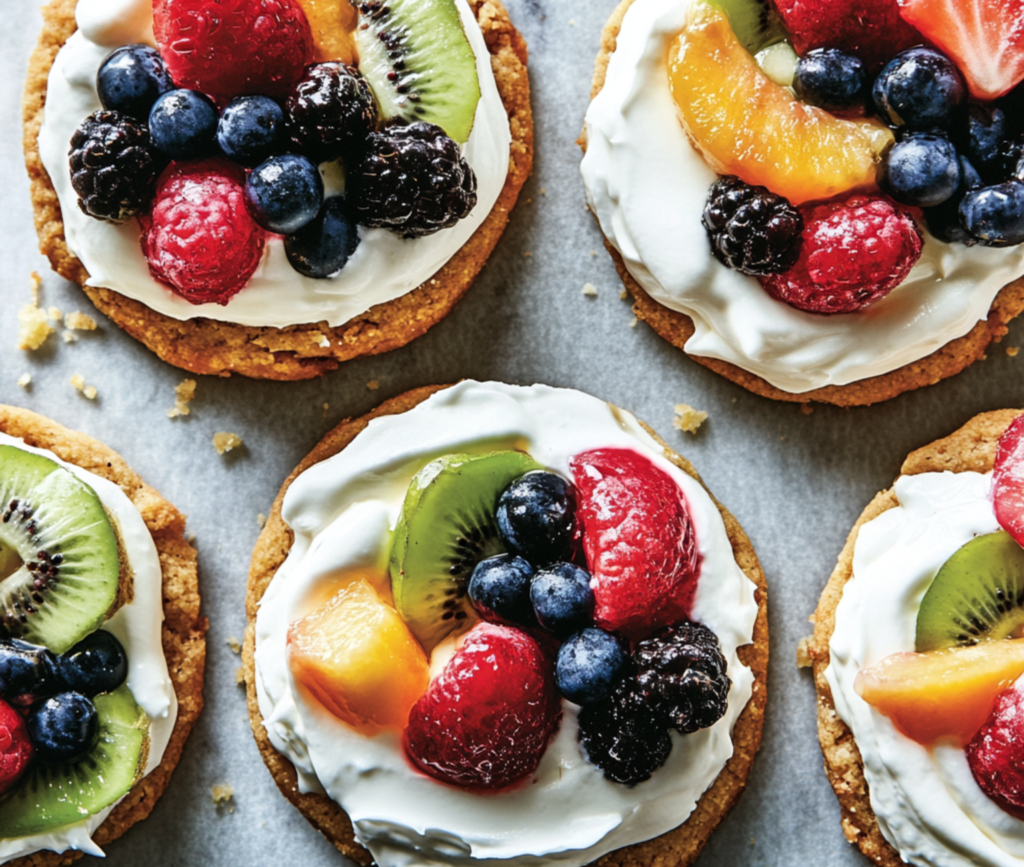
(522,588)
(839,126)
(226,131)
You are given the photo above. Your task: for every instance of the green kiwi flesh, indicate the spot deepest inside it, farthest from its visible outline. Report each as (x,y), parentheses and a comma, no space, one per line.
(447,527)
(53,796)
(756,23)
(60,564)
(419,63)
(977,595)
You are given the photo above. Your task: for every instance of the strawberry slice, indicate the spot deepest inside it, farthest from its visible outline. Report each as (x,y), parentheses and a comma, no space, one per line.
(996,754)
(1008,480)
(639,540)
(984,38)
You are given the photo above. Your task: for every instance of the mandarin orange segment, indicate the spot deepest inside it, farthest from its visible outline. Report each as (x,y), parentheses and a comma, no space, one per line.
(357,657)
(945,693)
(744,124)
(333,23)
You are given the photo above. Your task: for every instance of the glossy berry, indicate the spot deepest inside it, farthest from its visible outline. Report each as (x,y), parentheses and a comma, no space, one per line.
(995,215)
(322,247)
(681,671)
(537,517)
(486,720)
(590,664)
(944,221)
(15,747)
(331,111)
(499,589)
(1008,480)
(27,672)
(284,193)
(64,729)
(251,129)
(97,664)
(987,141)
(996,753)
(923,170)
(563,602)
(921,90)
(831,79)
(131,79)
(183,125)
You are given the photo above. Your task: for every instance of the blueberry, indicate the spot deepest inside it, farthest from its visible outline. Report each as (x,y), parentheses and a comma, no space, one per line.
(921,170)
(95,665)
(63,729)
(284,193)
(944,220)
(251,129)
(590,664)
(987,131)
(27,672)
(562,599)
(537,517)
(322,247)
(831,79)
(131,79)
(499,589)
(183,124)
(995,215)
(919,89)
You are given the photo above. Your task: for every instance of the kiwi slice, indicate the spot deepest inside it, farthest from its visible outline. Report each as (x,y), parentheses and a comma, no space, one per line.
(977,595)
(756,23)
(447,527)
(52,796)
(59,562)
(419,63)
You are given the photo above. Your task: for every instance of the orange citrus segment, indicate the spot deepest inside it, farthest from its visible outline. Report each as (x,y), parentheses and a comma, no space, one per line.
(357,657)
(942,693)
(333,23)
(744,124)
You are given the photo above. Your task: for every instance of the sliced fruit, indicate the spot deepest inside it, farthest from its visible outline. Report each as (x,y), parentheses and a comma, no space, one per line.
(333,24)
(359,660)
(943,693)
(985,39)
(419,62)
(778,62)
(756,23)
(746,125)
(52,796)
(70,569)
(1008,480)
(996,754)
(447,526)
(977,595)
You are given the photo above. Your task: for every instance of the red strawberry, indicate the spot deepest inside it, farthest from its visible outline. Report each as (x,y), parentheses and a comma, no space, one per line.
(996,753)
(486,720)
(985,38)
(1008,480)
(15,747)
(639,540)
(870,29)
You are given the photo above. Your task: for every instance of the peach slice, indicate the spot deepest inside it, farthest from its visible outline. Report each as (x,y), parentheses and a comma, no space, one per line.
(333,23)
(946,693)
(357,657)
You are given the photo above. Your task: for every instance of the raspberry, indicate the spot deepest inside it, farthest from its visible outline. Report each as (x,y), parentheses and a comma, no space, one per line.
(996,753)
(855,251)
(199,238)
(486,720)
(15,747)
(232,48)
(639,540)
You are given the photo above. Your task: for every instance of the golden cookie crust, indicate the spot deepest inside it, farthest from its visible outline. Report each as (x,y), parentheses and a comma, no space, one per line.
(184,629)
(677,328)
(970,449)
(679,847)
(295,352)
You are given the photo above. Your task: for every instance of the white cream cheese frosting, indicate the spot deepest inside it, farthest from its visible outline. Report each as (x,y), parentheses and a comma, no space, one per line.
(647,185)
(384,266)
(928,805)
(138,626)
(342,512)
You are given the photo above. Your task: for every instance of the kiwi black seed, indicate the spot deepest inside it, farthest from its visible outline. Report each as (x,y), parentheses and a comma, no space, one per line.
(756,23)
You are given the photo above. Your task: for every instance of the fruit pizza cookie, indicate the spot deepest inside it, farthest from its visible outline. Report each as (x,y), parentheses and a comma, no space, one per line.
(101,643)
(271,187)
(918,658)
(818,199)
(500,625)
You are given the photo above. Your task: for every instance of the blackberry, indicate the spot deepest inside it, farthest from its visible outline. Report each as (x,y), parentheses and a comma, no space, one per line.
(113,166)
(413,180)
(681,673)
(331,111)
(624,736)
(751,229)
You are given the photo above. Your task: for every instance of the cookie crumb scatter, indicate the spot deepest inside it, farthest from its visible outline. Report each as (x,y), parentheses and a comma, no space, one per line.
(54,314)
(87,391)
(590,290)
(226,441)
(1012,351)
(634,321)
(687,418)
(240,675)
(223,794)
(33,327)
(373,384)
(803,652)
(261,519)
(77,321)
(25,380)
(69,337)
(806,408)
(234,644)
(184,392)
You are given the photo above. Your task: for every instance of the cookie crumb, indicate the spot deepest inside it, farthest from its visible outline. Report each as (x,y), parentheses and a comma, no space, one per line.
(634,321)
(1012,351)
(234,644)
(261,519)
(33,327)
(373,384)
(783,438)
(87,391)
(90,392)
(226,441)
(184,392)
(35,284)
(590,290)
(688,419)
(806,408)
(25,380)
(624,294)
(527,254)
(223,795)
(593,253)
(69,337)
(240,675)
(803,652)
(76,321)
(54,314)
